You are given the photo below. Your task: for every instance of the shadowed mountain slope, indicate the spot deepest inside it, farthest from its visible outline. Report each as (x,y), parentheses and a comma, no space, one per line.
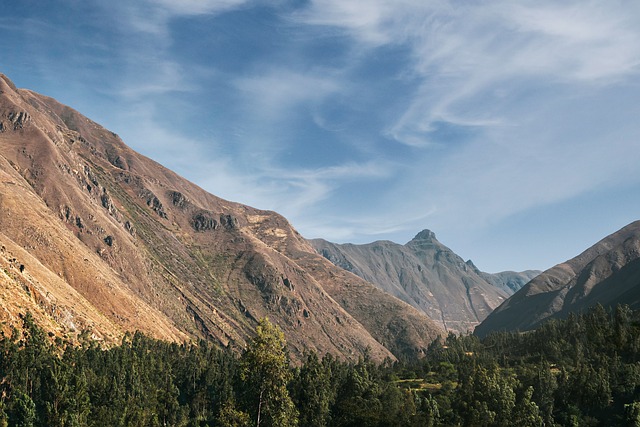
(427,275)
(607,273)
(111,241)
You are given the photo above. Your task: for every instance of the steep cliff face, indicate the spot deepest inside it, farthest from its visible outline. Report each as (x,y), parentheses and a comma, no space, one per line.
(607,273)
(427,275)
(117,242)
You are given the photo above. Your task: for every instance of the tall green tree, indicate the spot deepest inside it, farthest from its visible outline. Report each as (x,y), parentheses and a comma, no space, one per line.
(313,392)
(265,373)
(526,412)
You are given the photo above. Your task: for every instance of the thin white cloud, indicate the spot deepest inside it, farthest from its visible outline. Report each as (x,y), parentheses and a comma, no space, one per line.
(197,7)
(153,17)
(293,192)
(350,170)
(164,76)
(271,93)
(373,22)
(351,16)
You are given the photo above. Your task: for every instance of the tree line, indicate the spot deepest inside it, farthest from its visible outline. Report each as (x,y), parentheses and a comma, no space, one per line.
(581,371)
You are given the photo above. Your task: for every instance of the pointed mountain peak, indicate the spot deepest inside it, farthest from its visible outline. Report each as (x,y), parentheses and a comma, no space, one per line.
(426,236)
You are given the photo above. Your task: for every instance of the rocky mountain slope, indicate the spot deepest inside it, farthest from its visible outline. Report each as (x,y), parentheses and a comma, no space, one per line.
(96,236)
(429,276)
(607,273)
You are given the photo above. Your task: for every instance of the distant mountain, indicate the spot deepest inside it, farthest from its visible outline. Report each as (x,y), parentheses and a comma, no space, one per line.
(429,276)
(510,281)
(96,236)
(607,273)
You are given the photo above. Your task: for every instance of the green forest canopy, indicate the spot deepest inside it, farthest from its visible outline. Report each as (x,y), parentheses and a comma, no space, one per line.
(581,371)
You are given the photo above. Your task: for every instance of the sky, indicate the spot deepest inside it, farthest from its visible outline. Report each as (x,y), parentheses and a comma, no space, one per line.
(510,129)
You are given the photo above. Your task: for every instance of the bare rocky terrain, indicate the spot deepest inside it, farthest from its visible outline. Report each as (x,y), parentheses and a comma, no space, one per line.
(607,273)
(97,237)
(429,276)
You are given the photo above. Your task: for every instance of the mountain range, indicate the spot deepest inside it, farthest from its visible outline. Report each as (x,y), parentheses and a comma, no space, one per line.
(429,276)
(96,237)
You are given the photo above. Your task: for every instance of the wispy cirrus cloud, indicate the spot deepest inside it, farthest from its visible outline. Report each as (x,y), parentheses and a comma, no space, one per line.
(153,17)
(198,7)
(272,93)
(294,191)
(461,51)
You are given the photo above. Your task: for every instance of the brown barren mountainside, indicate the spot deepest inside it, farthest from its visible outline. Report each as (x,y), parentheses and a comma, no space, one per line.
(607,273)
(96,236)
(427,275)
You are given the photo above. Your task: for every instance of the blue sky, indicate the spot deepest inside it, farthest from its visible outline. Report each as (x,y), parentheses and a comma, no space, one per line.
(510,129)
